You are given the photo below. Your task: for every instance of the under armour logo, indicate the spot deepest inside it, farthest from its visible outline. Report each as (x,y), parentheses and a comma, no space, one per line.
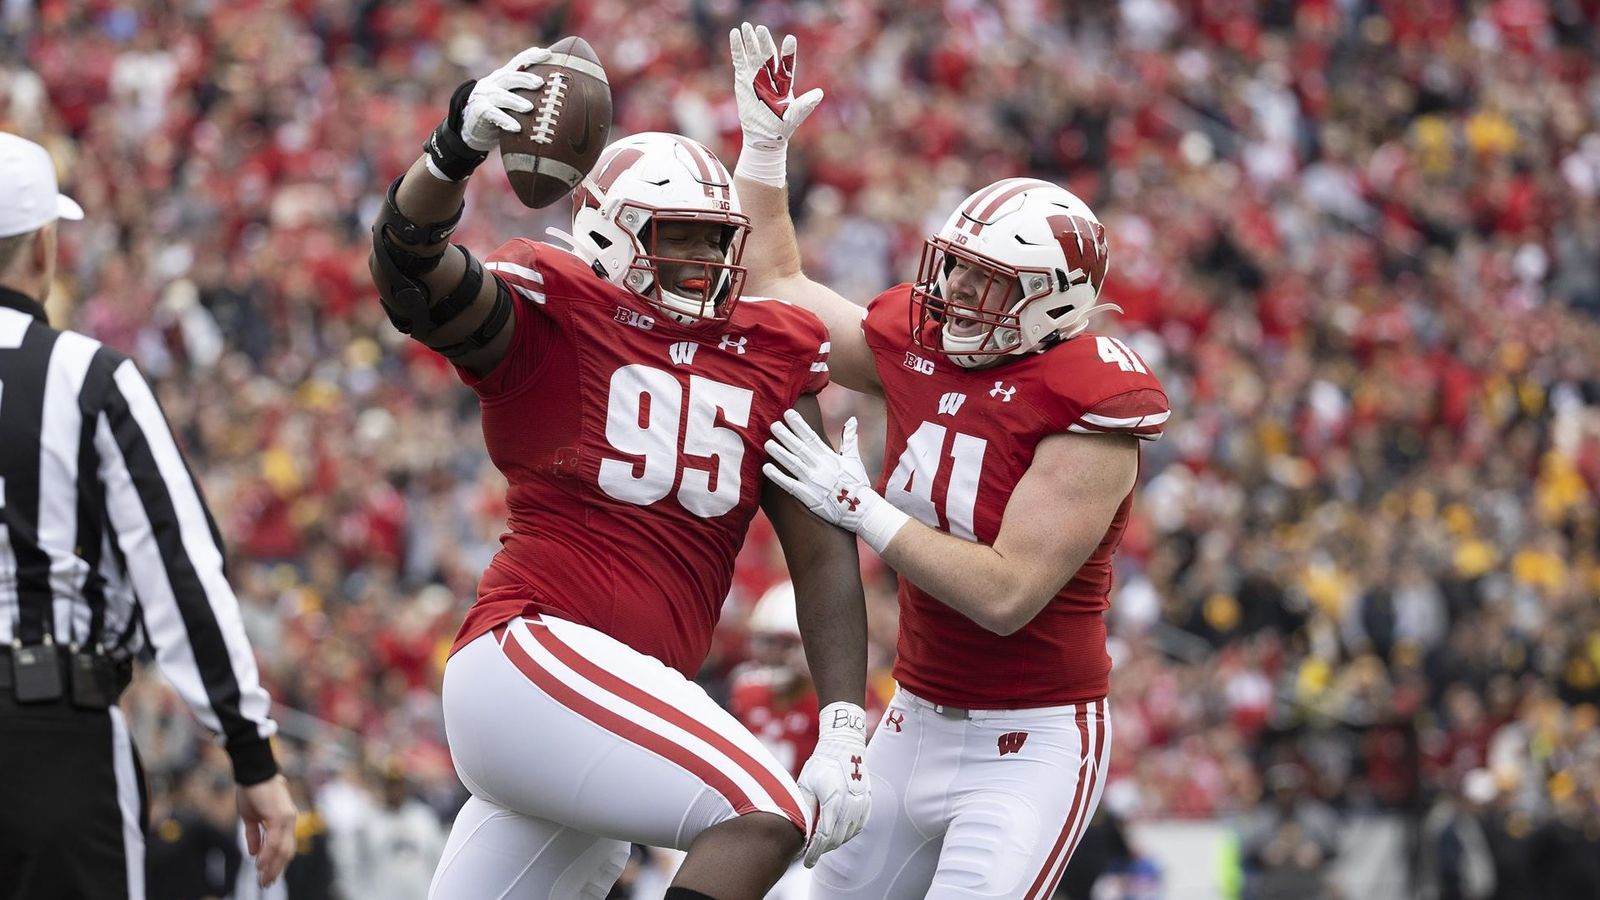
(682,352)
(729,343)
(1011,741)
(950,404)
(895,718)
(856,775)
(845,499)
(1000,390)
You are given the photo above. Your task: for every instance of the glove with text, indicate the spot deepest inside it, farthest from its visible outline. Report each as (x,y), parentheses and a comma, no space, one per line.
(834,779)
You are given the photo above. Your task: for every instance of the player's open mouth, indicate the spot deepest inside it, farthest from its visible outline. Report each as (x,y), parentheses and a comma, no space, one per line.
(693,285)
(961,326)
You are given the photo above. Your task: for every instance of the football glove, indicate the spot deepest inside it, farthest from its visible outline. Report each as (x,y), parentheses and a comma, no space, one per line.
(769,112)
(834,779)
(832,484)
(478,117)
(486,118)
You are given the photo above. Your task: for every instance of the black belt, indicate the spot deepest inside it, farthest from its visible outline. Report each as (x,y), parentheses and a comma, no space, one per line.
(114,675)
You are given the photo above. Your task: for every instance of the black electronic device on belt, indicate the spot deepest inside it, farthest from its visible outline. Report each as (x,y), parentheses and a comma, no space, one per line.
(92,678)
(36,672)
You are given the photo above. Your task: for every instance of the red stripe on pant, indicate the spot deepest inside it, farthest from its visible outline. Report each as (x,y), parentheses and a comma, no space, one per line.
(628,730)
(769,782)
(1045,883)
(1100,748)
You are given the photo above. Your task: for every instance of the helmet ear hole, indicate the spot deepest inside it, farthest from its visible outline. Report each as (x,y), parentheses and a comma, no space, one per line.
(600,240)
(1060,311)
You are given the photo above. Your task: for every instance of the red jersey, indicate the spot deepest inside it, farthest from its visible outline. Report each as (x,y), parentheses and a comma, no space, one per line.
(785,721)
(958,442)
(633,447)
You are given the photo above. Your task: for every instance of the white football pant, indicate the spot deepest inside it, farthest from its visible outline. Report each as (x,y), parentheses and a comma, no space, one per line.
(575,745)
(980,804)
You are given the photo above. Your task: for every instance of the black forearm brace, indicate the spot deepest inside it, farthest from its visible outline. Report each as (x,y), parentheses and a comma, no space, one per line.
(398,226)
(406,298)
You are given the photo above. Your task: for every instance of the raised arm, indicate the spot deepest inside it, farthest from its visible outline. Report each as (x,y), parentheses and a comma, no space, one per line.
(769,113)
(432,290)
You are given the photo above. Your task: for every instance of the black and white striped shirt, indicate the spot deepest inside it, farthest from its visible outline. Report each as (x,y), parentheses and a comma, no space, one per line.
(105,538)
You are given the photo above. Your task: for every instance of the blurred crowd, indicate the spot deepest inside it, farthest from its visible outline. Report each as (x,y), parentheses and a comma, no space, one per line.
(1358,239)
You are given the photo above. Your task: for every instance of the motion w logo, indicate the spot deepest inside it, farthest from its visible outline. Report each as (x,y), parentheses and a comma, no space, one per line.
(950,404)
(682,352)
(1011,742)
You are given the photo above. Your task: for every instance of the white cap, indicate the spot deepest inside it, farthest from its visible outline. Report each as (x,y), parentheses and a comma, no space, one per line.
(30,199)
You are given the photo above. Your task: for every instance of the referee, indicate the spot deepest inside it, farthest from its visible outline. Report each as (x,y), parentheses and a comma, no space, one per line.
(106,547)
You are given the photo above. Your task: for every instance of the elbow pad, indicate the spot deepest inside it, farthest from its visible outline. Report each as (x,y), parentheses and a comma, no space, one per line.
(412,310)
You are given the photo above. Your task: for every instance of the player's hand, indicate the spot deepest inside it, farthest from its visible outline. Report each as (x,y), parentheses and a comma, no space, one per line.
(832,484)
(763,85)
(269,815)
(487,116)
(834,779)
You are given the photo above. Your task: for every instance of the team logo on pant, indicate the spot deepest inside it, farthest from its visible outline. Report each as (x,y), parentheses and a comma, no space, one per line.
(1011,741)
(895,718)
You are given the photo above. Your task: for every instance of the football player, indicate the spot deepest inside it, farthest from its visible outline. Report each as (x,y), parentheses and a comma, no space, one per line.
(1010,461)
(626,386)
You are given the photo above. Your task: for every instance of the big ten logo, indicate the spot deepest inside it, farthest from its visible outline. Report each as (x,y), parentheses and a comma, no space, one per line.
(638,320)
(917,364)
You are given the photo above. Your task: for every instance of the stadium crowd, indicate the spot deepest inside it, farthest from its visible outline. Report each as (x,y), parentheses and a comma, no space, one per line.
(1359,240)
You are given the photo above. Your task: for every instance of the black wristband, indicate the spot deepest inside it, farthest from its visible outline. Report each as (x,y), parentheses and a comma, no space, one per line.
(253,761)
(448,150)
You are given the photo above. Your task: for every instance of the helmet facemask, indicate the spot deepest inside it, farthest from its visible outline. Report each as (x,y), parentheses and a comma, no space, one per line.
(653,185)
(659,271)
(981,326)
(1032,258)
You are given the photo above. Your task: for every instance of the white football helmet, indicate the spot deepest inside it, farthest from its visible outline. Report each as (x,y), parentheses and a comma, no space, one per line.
(1022,233)
(640,182)
(774,614)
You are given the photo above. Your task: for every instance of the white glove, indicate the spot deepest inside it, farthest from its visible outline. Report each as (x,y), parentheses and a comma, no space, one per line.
(769,112)
(832,484)
(835,779)
(486,120)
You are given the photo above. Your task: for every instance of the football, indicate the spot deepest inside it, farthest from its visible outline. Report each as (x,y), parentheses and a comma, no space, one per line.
(563,134)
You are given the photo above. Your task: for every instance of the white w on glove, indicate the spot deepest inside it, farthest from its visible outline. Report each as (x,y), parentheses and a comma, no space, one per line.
(832,484)
(834,779)
(486,118)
